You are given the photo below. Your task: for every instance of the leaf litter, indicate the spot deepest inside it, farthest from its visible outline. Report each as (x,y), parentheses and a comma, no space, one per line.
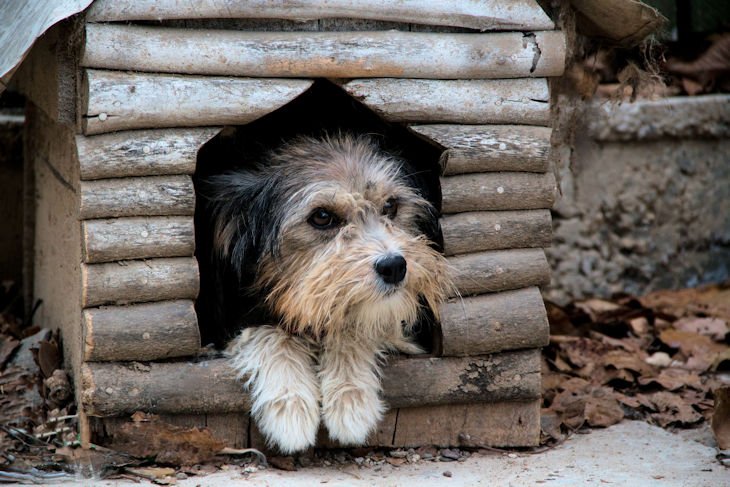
(662,358)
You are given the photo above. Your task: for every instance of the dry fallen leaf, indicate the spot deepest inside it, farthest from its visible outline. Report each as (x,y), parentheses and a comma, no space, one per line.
(715,328)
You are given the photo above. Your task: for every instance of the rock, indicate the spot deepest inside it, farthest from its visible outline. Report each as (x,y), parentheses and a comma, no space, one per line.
(447,473)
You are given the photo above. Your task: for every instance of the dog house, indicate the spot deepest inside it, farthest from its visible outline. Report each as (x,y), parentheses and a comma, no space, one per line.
(123,98)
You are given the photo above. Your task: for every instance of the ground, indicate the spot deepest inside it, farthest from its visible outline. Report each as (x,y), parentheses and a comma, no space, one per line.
(629,453)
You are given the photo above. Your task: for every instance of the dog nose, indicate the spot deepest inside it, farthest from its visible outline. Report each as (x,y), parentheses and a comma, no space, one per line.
(392,268)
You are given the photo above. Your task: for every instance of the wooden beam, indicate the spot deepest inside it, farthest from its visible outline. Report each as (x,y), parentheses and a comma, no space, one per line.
(499,270)
(506,376)
(472,14)
(151,331)
(499,424)
(371,54)
(493,230)
(149,196)
(485,148)
(210,386)
(113,100)
(139,281)
(498,191)
(522,101)
(137,238)
(141,152)
(509,320)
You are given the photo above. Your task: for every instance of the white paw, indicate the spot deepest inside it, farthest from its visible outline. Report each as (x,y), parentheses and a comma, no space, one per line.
(279,374)
(290,423)
(352,415)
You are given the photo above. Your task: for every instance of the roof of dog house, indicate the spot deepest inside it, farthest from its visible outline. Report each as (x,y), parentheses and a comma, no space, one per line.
(124,95)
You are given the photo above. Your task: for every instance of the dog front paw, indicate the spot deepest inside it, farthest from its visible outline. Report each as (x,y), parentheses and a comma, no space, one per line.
(352,415)
(290,423)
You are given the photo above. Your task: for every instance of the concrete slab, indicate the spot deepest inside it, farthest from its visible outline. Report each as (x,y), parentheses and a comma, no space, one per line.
(631,453)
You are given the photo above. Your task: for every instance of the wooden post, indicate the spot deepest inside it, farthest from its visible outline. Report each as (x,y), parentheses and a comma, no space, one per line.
(113,389)
(139,281)
(490,323)
(151,331)
(372,54)
(141,152)
(523,101)
(148,196)
(492,230)
(487,148)
(137,238)
(497,191)
(112,100)
(499,270)
(494,15)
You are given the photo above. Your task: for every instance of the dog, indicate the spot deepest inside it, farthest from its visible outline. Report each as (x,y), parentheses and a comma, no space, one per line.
(325,240)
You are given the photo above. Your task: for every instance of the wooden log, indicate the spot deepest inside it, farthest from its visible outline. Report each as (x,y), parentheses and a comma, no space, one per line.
(493,230)
(507,376)
(496,322)
(112,101)
(113,389)
(494,15)
(141,152)
(484,148)
(523,101)
(137,238)
(148,196)
(151,331)
(371,54)
(139,281)
(497,191)
(499,270)
(499,424)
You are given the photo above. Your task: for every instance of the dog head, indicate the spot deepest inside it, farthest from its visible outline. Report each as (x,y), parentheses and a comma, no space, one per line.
(333,235)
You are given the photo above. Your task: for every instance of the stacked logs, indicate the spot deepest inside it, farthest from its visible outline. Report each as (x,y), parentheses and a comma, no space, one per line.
(141,133)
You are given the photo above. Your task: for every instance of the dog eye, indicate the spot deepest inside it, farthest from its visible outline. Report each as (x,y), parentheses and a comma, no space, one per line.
(323,219)
(390,208)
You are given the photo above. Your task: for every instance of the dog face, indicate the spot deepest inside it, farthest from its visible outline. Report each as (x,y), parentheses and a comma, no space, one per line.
(332,233)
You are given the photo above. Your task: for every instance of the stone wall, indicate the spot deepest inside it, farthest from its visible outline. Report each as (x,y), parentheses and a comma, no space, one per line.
(646,203)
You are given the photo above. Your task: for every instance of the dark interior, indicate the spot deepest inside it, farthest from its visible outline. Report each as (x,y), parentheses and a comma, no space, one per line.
(324,108)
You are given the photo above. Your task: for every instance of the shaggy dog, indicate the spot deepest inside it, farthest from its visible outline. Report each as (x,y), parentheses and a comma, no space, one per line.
(328,235)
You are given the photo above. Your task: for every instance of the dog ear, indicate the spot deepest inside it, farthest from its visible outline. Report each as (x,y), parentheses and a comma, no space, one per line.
(428,218)
(237,204)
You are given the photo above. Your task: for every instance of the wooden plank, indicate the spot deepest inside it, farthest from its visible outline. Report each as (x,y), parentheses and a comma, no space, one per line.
(112,101)
(210,386)
(139,281)
(137,238)
(233,428)
(141,152)
(47,77)
(498,191)
(50,149)
(473,14)
(484,148)
(147,196)
(499,270)
(493,230)
(151,331)
(371,54)
(499,424)
(519,101)
(509,320)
